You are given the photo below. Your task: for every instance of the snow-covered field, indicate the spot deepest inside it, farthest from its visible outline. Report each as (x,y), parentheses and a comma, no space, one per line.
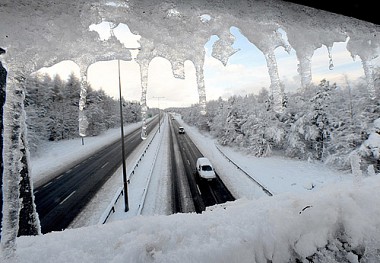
(313,208)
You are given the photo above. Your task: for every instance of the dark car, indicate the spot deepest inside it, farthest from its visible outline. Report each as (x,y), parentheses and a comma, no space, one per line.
(181,130)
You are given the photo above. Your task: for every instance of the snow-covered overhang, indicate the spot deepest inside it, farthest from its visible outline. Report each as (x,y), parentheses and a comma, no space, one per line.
(44,32)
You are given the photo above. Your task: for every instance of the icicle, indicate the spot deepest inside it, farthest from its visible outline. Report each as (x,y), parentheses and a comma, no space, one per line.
(83,122)
(222,48)
(201,87)
(275,81)
(267,38)
(11,166)
(331,64)
(144,66)
(304,69)
(143,130)
(368,71)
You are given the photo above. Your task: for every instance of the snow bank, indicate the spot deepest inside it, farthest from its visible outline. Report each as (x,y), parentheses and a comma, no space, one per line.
(341,220)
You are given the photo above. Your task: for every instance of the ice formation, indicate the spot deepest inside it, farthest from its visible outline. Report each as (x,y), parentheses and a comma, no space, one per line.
(177,31)
(38,34)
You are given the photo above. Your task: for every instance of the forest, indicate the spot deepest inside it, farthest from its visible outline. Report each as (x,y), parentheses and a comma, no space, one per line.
(326,122)
(52,108)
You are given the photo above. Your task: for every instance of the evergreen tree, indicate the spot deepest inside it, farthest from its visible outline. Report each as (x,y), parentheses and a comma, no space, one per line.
(218,116)
(95,113)
(318,130)
(70,111)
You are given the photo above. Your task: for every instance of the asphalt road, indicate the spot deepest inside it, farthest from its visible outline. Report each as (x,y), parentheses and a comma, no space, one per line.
(59,201)
(204,193)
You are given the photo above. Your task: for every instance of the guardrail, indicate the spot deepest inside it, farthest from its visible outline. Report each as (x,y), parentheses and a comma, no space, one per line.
(249,176)
(111,207)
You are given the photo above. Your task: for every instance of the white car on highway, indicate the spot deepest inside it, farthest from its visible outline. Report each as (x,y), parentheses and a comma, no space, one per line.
(205,169)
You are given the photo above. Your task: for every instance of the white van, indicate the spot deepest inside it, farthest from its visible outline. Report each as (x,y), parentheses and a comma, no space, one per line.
(205,169)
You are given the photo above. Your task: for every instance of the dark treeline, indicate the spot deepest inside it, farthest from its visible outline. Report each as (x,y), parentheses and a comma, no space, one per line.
(52,109)
(326,123)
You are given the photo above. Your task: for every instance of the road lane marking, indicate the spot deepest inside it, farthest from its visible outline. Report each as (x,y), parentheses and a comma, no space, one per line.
(199,190)
(68,171)
(104,165)
(64,200)
(46,184)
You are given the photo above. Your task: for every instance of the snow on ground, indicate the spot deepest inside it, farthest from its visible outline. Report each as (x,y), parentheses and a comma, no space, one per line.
(339,216)
(278,174)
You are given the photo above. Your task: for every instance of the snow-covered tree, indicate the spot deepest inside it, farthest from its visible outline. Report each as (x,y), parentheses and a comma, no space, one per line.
(97,118)
(264,131)
(370,149)
(318,128)
(70,111)
(217,116)
(236,117)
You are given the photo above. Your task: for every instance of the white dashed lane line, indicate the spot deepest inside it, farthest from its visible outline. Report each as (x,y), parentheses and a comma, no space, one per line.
(64,200)
(104,165)
(46,184)
(199,190)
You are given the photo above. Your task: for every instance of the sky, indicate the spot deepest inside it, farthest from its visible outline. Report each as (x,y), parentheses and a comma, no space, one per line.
(254,227)
(246,71)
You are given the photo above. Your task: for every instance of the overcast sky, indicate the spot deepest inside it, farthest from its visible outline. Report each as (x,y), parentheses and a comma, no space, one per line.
(246,72)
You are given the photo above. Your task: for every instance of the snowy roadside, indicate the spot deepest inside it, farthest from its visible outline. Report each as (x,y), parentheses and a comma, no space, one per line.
(277,174)
(337,221)
(54,157)
(150,184)
(137,162)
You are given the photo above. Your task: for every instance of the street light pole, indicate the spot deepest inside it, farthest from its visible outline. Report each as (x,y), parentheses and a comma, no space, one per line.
(159,115)
(125,182)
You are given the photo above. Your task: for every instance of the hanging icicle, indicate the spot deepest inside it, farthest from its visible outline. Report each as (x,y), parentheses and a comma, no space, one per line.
(331,64)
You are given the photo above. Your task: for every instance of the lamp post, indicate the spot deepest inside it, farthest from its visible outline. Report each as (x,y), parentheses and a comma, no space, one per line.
(125,181)
(159,115)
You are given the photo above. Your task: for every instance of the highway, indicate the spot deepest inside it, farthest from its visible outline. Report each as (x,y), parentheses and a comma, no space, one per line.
(203,193)
(59,201)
